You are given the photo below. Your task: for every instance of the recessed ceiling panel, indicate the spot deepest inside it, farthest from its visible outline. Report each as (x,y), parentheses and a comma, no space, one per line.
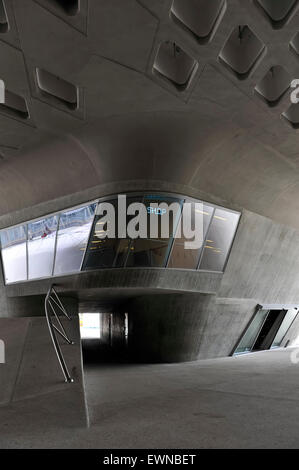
(274,85)
(14,106)
(199,16)
(277,11)
(292,115)
(4,26)
(241,51)
(174,64)
(73,12)
(8,28)
(57,88)
(69,7)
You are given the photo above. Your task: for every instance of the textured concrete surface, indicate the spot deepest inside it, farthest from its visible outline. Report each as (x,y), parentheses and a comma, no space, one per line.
(13,332)
(168,328)
(28,306)
(119,283)
(263,263)
(217,136)
(32,388)
(243,402)
(225,326)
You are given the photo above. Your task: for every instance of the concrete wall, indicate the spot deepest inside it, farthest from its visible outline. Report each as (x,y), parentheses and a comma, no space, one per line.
(122,282)
(168,328)
(29,306)
(203,151)
(31,378)
(225,325)
(118,331)
(264,262)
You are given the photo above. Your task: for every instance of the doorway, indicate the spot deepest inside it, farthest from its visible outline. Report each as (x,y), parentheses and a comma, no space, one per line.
(104,337)
(267,330)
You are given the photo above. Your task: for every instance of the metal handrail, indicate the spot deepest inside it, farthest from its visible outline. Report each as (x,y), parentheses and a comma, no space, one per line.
(52,299)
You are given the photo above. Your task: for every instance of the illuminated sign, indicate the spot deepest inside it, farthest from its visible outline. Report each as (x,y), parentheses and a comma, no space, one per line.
(156,210)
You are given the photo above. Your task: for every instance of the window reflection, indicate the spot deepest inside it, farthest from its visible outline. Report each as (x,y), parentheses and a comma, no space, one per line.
(72,238)
(41,246)
(122,253)
(219,240)
(125,245)
(71,241)
(148,253)
(154,252)
(101,252)
(14,253)
(251,334)
(188,259)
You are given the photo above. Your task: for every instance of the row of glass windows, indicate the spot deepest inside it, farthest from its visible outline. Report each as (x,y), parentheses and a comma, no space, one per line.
(70,242)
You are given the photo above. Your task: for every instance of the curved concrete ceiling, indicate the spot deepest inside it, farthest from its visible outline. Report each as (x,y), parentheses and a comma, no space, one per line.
(215,134)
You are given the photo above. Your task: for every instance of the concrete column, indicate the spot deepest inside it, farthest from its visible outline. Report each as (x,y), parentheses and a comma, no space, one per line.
(117,321)
(106,329)
(168,328)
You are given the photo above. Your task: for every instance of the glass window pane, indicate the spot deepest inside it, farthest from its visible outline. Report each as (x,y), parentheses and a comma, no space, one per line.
(269,330)
(154,252)
(124,245)
(101,252)
(287,322)
(14,254)
(148,253)
(252,332)
(107,253)
(182,258)
(219,240)
(41,245)
(122,253)
(72,238)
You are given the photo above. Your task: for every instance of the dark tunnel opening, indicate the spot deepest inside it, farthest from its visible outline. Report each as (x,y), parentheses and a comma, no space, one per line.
(104,338)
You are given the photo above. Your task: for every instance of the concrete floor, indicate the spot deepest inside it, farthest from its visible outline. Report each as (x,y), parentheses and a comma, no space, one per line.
(244,402)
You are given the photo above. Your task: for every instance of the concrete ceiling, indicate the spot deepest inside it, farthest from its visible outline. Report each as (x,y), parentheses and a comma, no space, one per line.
(190,92)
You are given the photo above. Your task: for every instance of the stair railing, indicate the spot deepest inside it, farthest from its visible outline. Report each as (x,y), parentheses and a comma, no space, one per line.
(52,303)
